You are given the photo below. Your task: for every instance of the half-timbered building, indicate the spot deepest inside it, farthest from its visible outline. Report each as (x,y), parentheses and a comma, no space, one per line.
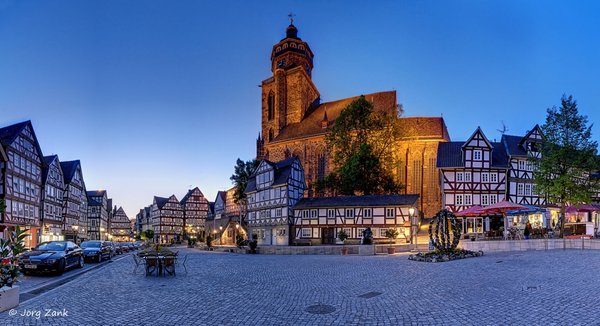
(272,191)
(225,218)
(167,219)
(195,211)
(319,220)
(472,172)
(97,217)
(120,226)
(522,153)
(21,180)
(52,200)
(74,202)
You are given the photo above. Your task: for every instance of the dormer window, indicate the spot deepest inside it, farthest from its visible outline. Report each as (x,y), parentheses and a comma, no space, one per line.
(477,155)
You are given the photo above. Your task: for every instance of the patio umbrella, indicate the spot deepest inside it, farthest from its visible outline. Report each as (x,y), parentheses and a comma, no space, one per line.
(581,208)
(503,207)
(471,211)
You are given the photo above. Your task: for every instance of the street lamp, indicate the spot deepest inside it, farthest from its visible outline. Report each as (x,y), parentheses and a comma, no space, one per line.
(413,222)
(220,235)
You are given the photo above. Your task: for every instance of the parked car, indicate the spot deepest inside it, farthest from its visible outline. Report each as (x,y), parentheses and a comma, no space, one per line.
(124,247)
(96,250)
(116,247)
(51,256)
(131,246)
(113,251)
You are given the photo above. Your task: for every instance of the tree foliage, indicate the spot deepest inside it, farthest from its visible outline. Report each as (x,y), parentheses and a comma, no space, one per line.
(361,141)
(568,158)
(242,172)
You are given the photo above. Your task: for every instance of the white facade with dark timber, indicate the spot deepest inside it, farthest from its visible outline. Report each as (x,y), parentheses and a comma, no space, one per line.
(97,215)
(52,200)
(319,219)
(522,153)
(120,226)
(195,211)
(21,180)
(272,191)
(74,202)
(472,172)
(167,219)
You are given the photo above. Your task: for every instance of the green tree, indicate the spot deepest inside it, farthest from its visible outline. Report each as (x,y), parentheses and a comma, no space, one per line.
(361,141)
(147,235)
(242,172)
(568,158)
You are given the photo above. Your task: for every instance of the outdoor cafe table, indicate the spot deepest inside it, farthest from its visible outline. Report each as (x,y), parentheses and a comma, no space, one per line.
(159,263)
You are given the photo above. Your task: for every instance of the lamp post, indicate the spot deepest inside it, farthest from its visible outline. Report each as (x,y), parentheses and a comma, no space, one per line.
(413,222)
(220,235)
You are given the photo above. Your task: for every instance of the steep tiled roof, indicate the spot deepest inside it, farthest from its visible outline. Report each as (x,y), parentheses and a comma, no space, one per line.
(450,155)
(189,193)
(160,201)
(282,170)
(9,134)
(512,145)
(311,124)
(69,168)
(95,193)
(46,167)
(423,128)
(357,201)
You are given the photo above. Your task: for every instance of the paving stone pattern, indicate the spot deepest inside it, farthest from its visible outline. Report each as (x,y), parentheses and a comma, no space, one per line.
(534,288)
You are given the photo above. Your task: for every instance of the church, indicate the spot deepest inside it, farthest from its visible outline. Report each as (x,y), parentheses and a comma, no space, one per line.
(295,122)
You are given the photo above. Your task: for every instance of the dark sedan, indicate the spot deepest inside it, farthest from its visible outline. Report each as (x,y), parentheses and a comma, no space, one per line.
(53,256)
(96,250)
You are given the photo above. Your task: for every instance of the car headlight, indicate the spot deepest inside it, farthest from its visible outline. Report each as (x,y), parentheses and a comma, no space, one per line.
(50,261)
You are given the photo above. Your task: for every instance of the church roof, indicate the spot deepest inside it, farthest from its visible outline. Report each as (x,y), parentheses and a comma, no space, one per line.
(357,201)
(311,124)
(423,128)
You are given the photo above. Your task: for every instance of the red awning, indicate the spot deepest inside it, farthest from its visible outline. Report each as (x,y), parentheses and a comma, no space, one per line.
(581,208)
(502,207)
(471,211)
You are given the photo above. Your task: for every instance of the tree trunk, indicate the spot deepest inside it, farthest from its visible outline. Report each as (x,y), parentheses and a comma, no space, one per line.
(562,219)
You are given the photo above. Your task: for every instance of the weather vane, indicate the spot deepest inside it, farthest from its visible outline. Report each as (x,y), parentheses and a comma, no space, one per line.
(291,15)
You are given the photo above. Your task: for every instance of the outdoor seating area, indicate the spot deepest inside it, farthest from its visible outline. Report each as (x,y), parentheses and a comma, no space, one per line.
(161,262)
(509,221)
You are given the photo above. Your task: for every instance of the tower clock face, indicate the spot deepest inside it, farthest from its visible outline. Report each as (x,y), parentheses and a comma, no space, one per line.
(281,63)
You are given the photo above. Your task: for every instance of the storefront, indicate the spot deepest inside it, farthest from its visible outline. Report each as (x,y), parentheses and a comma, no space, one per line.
(51,232)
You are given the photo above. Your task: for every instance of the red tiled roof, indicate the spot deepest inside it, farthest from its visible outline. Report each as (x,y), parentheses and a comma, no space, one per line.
(416,128)
(311,124)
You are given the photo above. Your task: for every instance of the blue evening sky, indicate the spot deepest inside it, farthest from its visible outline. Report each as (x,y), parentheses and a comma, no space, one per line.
(155,96)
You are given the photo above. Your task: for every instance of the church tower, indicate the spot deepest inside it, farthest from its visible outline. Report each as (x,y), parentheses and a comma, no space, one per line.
(289,93)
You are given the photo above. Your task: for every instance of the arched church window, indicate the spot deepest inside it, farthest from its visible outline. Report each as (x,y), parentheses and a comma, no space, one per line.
(321,161)
(278,49)
(271,106)
(293,45)
(285,46)
(301,47)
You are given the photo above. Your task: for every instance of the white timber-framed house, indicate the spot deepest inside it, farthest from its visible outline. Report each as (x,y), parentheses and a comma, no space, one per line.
(320,219)
(74,202)
(167,219)
(522,153)
(97,218)
(195,212)
(120,226)
(21,180)
(52,200)
(472,172)
(272,191)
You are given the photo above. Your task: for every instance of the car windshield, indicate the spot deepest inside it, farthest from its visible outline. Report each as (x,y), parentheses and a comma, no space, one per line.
(90,244)
(52,246)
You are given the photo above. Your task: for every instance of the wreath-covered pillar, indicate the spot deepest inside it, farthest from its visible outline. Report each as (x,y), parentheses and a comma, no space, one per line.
(444,231)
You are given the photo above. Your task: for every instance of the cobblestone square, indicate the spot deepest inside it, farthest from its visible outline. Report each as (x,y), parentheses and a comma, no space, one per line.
(540,288)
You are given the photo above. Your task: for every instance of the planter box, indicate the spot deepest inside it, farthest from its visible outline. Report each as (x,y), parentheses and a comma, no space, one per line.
(9,297)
